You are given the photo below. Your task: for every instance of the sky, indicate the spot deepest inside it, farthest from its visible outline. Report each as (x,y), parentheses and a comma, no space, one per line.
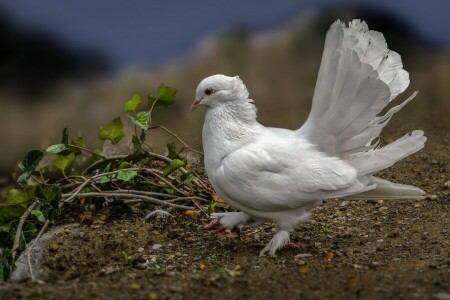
(142,32)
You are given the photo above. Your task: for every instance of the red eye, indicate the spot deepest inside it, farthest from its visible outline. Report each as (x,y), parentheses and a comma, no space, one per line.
(209,92)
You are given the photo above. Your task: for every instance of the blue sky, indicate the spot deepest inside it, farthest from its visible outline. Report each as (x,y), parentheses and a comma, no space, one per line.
(138,32)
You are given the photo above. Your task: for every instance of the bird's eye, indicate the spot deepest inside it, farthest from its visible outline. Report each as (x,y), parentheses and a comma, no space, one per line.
(209,92)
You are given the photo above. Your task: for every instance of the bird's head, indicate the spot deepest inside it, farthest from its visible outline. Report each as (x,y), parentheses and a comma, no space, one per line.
(217,89)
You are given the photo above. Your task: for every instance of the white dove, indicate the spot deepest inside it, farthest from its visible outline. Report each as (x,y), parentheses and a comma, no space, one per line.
(281,175)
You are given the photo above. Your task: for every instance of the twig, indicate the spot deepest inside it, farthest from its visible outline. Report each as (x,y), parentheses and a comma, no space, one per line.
(98,162)
(23,218)
(189,198)
(141,193)
(86,150)
(155,173)
(32,246)
(124,195)
(87,181)
(177,137)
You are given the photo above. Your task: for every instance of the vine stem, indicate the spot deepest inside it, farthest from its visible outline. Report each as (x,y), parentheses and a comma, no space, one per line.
(32,246)
(86,150)
(23,218)
(177,137)
(129,195)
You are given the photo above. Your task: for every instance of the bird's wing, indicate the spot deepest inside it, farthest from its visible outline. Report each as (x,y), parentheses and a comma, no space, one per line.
(276,174)
(358,77)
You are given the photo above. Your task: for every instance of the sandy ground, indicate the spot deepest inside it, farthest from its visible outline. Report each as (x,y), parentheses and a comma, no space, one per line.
(359,249)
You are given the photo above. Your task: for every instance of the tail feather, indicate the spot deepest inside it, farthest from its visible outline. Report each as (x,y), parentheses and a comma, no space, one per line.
(372,161)
(358,77)
(387,190)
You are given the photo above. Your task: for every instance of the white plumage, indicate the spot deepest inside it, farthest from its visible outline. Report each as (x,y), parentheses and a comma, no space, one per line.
(279,174)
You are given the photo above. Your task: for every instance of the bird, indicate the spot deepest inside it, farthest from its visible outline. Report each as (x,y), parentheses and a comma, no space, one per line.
(281,175)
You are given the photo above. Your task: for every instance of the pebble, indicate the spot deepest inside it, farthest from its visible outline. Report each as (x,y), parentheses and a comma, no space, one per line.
(344,203)
(301,263)
(447,185)
(441,296)
(156,246)
(432,197)
(303,255)
(140,250)
(82,234)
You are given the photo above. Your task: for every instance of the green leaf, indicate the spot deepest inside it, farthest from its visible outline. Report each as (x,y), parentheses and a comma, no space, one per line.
(169,191)
(49,193)
(63,162)
(124,165)
(187,177)
(212,205)
(29,164)
(78,141)
(172,166)
(112,131)
(18,197)
(105,179)
(55,149)
(126,175)
(165,97)
(5,228)
(65,137)
(172,148)
(132,104)
(38,214)
(141,119)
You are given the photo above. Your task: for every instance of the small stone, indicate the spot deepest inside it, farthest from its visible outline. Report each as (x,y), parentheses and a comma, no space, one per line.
(156,246)
(301,263)
(344,203)
(140,250)
(447,185)
(134,286)
(303,255)
(441,296)
(374,264)
(53,246)
(201,266)
(432,197)
(152,296)
(82,234)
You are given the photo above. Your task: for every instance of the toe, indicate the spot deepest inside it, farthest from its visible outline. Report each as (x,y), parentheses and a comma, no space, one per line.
(212,224)
(220,229)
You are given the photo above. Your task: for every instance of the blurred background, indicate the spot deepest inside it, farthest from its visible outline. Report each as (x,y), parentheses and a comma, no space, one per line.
(75,63)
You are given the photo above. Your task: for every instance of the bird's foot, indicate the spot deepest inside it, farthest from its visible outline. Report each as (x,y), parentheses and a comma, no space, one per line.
(292,245)
(214,226)
(279,240)
(213,223)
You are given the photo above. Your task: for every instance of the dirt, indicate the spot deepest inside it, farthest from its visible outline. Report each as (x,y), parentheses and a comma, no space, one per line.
(359,249)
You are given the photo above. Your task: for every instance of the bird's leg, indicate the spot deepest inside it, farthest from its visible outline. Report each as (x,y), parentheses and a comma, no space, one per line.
(279,240)
(229,220)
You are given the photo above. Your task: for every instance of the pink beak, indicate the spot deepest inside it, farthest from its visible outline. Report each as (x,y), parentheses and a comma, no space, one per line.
(196,104)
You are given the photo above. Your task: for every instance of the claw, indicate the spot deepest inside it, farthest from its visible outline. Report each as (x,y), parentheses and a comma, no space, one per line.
(292,245)
(212,224)
(216,231)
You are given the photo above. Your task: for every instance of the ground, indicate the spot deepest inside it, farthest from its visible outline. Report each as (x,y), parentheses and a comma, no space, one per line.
(352,249)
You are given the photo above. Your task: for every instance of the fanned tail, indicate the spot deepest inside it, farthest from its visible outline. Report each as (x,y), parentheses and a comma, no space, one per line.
(358,77)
